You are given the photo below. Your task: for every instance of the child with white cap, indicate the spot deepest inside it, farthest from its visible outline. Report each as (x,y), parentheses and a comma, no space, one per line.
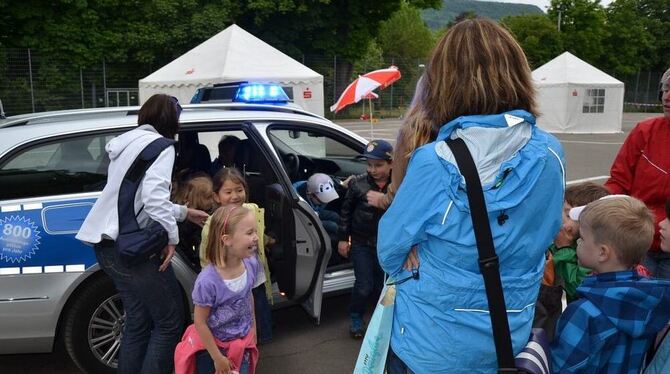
(318,191)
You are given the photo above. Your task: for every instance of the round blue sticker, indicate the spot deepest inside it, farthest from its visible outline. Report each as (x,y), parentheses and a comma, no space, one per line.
(19,239)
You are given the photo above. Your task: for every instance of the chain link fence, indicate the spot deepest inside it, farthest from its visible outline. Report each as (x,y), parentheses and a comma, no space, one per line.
(642,91)
(31,82)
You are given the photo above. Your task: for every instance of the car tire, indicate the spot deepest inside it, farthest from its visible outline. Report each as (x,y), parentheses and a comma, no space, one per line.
(94,347)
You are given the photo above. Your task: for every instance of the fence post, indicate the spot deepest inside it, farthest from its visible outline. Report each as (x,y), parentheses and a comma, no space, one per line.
(104,81)
(392,86)
(646,93)
(81,87)
(30,71)
(637,85)
(334,79)
(94,103)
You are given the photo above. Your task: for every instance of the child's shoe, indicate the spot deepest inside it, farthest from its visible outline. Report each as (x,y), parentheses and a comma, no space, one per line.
(356,327)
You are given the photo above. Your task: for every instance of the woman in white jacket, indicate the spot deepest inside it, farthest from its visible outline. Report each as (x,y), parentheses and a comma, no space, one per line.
(149,291)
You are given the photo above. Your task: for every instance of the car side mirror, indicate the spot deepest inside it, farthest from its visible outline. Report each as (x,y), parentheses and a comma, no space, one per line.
(2,111)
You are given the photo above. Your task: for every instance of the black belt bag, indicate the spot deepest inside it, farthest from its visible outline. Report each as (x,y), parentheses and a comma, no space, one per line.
(134,244)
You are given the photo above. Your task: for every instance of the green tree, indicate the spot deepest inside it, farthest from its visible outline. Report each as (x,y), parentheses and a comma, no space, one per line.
(342,28)
(582,27)
(470,14)
(538,36)
(656,14)
(84,32)
(405,34)
(629,44)
(406,41)
(372,59)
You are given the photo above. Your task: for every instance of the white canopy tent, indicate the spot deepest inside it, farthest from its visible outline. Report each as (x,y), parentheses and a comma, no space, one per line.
(575,97)
(235,55)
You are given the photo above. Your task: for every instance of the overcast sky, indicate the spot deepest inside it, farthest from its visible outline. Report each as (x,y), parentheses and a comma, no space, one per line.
(543,4)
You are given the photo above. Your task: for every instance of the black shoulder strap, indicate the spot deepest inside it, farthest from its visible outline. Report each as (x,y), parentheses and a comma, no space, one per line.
(131,182)
(488,260)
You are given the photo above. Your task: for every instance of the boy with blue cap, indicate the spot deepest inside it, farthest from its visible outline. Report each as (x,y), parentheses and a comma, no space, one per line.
(359,221)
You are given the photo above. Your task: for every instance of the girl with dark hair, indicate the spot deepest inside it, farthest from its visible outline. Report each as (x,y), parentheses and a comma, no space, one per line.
(152,301)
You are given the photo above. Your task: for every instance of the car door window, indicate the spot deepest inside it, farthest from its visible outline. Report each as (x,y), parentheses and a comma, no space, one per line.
(66,166)
(305,152)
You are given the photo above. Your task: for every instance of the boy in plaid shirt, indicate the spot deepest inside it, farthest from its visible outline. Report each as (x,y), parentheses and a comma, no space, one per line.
(609,328)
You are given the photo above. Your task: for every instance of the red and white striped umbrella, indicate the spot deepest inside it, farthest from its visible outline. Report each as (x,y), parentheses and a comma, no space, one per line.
(364,84)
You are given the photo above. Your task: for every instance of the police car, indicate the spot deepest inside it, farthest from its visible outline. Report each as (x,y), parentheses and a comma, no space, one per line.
(53,166)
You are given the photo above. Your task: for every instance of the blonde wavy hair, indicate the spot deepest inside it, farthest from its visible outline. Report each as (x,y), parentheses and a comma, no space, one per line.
(224,222)
(197,193)
(476,68)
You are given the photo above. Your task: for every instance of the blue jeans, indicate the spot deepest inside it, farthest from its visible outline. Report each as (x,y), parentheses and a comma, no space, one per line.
(263,312)
(658,264)
(153,308)
(205,365)
(369,277)
(394,365)
(330,221)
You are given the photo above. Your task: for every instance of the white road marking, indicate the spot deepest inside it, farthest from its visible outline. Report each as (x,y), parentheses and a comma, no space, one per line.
(590,142)
(576,181)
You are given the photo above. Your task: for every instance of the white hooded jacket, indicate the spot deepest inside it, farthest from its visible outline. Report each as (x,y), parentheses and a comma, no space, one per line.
(153,193)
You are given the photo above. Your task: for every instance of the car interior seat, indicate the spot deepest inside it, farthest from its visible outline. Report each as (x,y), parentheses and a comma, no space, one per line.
(75,157)
(192,155)
(251,163)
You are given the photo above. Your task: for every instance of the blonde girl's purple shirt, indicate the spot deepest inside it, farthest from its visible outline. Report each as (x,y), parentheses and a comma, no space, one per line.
(231,313)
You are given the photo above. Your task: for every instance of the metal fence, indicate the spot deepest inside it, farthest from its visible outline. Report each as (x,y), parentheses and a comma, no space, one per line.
(642,90)
(31,82)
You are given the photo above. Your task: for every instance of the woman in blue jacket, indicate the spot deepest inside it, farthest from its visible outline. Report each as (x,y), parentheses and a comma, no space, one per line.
(478,84)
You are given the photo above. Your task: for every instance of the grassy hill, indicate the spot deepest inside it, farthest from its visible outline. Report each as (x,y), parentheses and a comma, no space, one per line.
(437,19)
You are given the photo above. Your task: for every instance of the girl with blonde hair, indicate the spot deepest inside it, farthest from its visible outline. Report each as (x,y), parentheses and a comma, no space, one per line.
(222,338)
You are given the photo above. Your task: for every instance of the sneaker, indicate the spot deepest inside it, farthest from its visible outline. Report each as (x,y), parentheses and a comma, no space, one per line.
(356,328)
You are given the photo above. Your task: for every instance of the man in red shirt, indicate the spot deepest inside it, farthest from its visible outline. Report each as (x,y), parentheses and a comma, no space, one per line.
(642,169)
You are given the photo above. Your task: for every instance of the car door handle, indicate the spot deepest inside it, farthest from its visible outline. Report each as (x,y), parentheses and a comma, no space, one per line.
(301,241)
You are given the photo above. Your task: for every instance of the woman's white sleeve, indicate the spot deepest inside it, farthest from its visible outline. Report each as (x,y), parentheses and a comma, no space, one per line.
(156,194)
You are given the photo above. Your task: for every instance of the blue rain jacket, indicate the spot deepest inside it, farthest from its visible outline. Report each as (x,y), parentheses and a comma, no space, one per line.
(441,321)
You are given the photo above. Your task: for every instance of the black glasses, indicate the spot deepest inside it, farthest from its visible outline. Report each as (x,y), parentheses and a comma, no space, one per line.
(415,275)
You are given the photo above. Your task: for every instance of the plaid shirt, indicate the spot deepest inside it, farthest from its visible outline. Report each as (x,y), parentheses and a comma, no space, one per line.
(609,329)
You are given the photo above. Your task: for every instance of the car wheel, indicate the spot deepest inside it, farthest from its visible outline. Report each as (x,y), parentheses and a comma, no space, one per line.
(93,327)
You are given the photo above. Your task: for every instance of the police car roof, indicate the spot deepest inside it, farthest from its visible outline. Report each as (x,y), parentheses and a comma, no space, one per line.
(27,127)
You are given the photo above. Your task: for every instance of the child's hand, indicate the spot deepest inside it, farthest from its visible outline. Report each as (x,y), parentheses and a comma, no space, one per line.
(412,261)
(345,183)
(343,248)
(564,238)
(222,365)
(375,198)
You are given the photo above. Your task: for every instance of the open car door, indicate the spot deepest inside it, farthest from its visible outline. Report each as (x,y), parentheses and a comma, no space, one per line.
(300,257)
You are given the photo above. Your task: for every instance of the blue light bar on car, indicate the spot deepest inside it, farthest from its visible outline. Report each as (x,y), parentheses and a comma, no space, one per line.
(260,93)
